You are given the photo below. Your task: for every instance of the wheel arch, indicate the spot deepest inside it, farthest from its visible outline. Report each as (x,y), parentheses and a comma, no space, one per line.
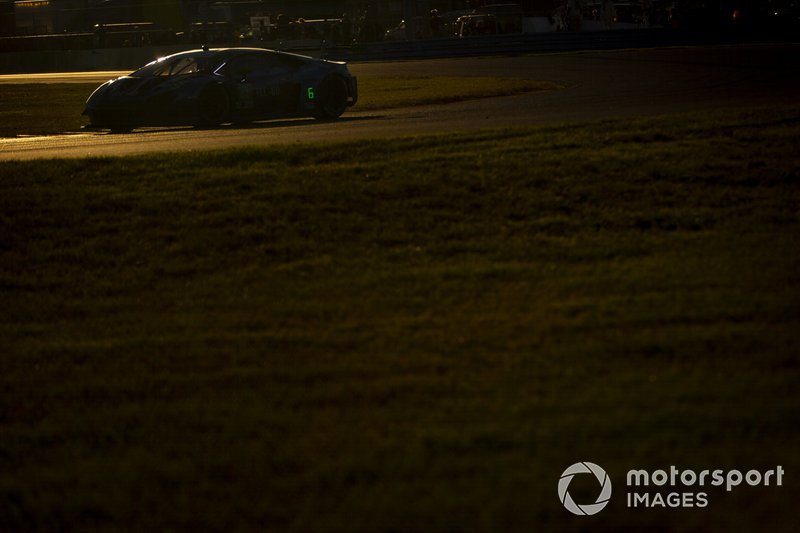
(333,94)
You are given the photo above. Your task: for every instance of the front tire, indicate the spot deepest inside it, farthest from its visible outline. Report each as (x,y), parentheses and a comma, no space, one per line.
(117,125)
(333,98)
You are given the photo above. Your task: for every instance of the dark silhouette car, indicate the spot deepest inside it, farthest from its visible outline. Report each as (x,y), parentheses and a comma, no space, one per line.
(228,85)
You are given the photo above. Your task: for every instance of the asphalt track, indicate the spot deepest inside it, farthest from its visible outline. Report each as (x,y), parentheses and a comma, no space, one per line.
(597,85)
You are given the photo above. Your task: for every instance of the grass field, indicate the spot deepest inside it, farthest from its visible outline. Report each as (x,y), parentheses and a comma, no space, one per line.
(413,334)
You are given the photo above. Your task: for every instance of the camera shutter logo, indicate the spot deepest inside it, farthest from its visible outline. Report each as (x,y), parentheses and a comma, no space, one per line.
(590,508)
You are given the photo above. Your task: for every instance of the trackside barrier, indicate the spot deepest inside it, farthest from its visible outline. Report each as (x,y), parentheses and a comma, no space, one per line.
(523,43)
(518,44)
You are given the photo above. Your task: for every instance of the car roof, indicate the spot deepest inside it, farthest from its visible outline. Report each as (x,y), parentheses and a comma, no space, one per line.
(217,55)
(223,53)
(215,52)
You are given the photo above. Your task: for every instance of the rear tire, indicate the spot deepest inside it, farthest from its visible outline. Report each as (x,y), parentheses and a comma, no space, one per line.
(333,98)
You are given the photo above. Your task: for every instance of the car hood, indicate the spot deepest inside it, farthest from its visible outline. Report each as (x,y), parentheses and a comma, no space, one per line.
(127,89)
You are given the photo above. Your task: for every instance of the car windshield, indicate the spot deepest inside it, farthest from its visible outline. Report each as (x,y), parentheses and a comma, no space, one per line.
(173,66)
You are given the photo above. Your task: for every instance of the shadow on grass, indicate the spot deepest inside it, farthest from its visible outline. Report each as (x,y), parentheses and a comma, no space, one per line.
(255,125)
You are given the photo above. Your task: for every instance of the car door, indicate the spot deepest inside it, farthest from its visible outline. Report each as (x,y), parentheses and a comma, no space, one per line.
(264,84)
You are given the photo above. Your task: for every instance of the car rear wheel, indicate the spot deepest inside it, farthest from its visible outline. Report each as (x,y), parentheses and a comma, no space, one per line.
(213,106)
(333,98)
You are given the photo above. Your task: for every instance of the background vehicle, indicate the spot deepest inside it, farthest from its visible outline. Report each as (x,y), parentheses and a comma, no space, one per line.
(476,24)
(211,87)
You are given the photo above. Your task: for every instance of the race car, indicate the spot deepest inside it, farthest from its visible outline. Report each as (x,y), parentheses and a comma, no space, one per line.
(209,87)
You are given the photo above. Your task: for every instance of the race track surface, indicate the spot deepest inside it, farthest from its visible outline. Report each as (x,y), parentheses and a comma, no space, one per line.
(598,85)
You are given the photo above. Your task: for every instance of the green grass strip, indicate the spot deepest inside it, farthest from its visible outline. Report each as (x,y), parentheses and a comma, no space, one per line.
(402,334)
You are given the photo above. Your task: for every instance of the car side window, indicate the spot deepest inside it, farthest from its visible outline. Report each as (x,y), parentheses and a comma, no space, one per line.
(185,65)
(241,67)
(257,66)
(289,63)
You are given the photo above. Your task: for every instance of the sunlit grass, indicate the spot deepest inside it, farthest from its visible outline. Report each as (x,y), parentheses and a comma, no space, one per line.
(40,109)
(411,334)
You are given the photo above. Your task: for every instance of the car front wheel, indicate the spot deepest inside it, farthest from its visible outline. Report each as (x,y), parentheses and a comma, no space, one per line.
(333,98)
